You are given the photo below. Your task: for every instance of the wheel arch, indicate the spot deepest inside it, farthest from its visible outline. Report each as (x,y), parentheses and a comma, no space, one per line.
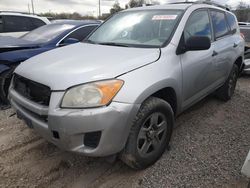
(240,63)
(165,90)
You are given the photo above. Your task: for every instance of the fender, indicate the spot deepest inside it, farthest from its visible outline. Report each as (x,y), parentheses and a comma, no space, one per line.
(3,68)
(166,83)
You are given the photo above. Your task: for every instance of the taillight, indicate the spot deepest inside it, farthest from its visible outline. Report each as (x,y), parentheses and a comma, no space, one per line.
(242,35)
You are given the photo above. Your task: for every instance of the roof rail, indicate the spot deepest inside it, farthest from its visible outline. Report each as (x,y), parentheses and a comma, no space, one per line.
(213,3)
(6,11)
(203,2)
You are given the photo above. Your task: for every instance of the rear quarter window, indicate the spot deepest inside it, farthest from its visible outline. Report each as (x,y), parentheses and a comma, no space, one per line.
(219,23)
(232,22)
(37,22)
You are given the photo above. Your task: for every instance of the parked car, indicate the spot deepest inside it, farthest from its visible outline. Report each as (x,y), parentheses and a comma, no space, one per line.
(16,24)
(120,91)
(13,51)
(245,30)
(244,24)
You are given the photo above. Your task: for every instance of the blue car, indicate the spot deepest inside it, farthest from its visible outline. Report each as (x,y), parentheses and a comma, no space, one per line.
(13,51)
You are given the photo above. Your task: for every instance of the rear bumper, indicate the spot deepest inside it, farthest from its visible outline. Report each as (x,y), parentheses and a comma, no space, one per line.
(72,125)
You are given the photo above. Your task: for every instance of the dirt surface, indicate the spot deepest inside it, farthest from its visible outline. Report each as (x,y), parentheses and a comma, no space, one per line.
(208,148)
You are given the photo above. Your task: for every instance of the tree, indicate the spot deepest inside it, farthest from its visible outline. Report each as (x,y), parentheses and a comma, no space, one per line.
(74,16)
(243,12)
(116,8)
(135,3)
(139,3)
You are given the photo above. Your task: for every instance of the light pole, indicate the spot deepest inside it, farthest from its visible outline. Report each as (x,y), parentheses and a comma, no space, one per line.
(29,8)
(99,8)
(32,4)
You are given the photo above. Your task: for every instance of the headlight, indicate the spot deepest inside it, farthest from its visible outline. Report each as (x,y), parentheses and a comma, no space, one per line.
(91,95)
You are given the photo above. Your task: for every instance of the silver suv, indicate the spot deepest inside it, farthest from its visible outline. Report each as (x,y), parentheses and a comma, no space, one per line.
(119,91)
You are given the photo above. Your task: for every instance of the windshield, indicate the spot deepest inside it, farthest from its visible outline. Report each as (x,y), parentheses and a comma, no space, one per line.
(151,28)
(47,33)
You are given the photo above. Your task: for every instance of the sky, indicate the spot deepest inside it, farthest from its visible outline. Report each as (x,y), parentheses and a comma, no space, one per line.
(84,7)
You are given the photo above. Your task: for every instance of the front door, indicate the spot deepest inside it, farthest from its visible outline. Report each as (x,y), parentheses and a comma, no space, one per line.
(197,66)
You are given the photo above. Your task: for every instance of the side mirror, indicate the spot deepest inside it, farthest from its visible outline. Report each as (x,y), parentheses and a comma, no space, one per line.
(193,44)
(197,43)
(69,41)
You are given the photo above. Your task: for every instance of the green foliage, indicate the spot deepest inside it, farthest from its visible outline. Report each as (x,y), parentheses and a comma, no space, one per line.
(135,3)
(139,3)
(116,8)
(74,16)
(243,12)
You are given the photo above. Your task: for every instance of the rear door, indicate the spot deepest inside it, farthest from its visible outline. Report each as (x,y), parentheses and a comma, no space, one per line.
(223,46)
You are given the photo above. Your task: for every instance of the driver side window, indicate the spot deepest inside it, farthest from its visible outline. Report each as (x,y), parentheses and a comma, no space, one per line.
(81,33)
(198,25)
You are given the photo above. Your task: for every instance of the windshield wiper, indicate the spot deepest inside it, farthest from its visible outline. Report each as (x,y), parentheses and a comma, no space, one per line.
(113,44)
(89,41)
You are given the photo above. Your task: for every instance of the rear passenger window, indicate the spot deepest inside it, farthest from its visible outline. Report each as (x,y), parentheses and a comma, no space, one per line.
(232,22)
(198,25)
(17,24)
(219,22)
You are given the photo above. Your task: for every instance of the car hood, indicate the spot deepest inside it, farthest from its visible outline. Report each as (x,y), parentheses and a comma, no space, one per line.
(80,63)
(11,44)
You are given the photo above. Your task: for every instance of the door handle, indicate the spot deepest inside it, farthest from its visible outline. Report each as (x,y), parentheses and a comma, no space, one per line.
(235,45)
(214,53)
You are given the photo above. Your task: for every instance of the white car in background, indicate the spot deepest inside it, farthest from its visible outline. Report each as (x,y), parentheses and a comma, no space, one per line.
(16,24)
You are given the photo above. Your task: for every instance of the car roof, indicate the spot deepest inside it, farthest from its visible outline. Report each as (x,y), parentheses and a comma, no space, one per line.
(180,6)
(23,14)
(76,23)
(18,14)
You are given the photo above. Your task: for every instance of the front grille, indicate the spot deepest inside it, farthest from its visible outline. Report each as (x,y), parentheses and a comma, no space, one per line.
(31,90)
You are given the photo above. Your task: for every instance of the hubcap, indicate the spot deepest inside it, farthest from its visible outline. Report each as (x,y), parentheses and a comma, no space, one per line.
(152,134)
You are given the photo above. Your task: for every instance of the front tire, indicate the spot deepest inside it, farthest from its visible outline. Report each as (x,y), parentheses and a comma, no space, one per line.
(226,92)
(150,134)
(5,80)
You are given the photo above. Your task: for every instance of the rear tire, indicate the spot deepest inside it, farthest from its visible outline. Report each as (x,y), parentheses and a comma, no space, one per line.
(150,134)
(226,92)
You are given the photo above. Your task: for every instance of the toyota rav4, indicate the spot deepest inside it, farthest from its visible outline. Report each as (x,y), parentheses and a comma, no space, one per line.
(119,91)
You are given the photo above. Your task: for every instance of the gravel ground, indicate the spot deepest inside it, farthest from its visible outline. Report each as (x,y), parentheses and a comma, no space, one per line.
(208,148)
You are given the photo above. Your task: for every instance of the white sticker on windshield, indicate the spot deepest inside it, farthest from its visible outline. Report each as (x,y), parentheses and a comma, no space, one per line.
(164,17)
